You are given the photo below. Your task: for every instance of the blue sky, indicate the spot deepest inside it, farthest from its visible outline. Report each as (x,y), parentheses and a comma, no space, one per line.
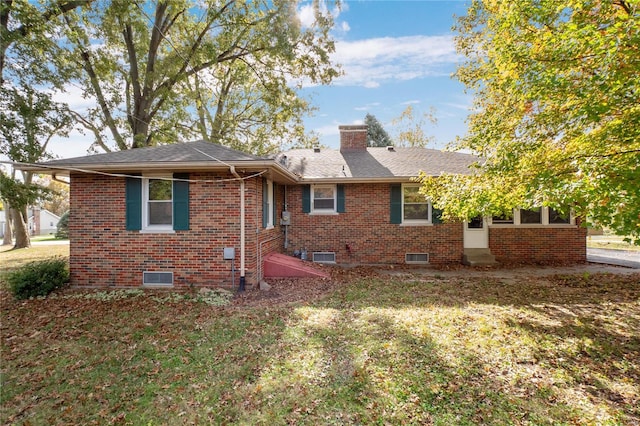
(393,53)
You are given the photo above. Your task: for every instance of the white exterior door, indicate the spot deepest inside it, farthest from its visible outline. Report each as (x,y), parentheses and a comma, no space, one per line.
(476,233)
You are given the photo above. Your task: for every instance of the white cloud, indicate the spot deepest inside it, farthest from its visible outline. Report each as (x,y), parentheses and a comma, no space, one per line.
(371,62)
(72,96)
(411,102)
(464,107)
(306,15)
(367,107)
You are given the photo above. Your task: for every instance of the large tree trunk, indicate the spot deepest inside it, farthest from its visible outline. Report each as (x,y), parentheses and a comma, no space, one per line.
(20,224)
(7,239)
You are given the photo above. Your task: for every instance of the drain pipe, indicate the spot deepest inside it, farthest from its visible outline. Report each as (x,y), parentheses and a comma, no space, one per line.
(242,238)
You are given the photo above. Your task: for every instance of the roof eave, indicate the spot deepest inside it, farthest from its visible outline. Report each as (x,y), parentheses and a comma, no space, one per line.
(240,165)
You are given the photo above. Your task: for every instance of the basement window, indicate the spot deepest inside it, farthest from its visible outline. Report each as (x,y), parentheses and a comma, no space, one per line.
(416,258)
(324,257)
(157,279)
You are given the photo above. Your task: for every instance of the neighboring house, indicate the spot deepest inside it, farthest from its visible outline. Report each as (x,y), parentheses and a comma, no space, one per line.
(196,214)
(42,221)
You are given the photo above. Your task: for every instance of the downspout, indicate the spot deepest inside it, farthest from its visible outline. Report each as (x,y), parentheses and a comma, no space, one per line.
(242,233)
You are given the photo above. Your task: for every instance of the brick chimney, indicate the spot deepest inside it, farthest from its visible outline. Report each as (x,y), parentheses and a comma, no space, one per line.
(353,137)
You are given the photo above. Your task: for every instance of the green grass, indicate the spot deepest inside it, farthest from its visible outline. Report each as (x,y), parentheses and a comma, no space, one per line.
(50,237)
(11,259)
(615,242)
(375,350)
(615,245)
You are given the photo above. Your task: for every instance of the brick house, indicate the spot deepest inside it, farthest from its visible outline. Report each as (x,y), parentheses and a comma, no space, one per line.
(198,214)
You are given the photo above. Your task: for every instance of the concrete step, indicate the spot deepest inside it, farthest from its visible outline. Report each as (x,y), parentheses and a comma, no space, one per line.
(478,257)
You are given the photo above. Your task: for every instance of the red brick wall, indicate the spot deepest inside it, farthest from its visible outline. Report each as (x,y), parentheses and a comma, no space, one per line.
(366,229)
(104,253)
(353,138)
(547,244)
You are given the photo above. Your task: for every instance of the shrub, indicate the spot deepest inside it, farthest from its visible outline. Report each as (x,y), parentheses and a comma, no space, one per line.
(62,230)
(38,278)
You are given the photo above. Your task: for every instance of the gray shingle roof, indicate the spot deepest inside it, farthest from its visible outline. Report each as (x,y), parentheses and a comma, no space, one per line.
(375,163)
(328,164)
(190,152)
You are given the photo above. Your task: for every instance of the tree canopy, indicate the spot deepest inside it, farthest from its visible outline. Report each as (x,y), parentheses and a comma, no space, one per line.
(556,115)
(409,127)
(169,71)
(28,121)
(376,134)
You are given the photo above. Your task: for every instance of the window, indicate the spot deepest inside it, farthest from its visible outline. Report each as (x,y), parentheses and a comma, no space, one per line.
(476,223)
(156,204)
(323,198)
(504,219)
(419,258)
(531,216)
(408,206)
(555,217)
(268,203)
(415,207)
(537,216)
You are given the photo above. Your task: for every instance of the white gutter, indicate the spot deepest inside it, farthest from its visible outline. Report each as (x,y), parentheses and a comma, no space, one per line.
(242,232)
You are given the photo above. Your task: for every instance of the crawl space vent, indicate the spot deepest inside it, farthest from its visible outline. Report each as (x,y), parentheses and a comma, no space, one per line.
(157,278)
(324,257)
(416,258)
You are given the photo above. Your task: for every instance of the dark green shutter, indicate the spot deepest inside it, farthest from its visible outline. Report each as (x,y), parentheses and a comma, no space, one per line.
(306,198)
(180,202)
(133,196)
(396,204)
(436,215)
(275,204)
(340,205)
(265,203)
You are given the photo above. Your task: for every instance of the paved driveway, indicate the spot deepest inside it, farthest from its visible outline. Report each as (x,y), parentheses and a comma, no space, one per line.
(628,258)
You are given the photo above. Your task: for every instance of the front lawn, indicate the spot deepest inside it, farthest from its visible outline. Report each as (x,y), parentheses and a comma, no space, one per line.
(11,259)
(373,349)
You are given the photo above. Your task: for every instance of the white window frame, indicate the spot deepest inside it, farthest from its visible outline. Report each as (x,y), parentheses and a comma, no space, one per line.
(429,219)
(544,221)
(270,201)
(334,210)
(146,227)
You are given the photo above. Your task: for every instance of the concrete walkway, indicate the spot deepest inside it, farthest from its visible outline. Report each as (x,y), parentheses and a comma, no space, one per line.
(626,258)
